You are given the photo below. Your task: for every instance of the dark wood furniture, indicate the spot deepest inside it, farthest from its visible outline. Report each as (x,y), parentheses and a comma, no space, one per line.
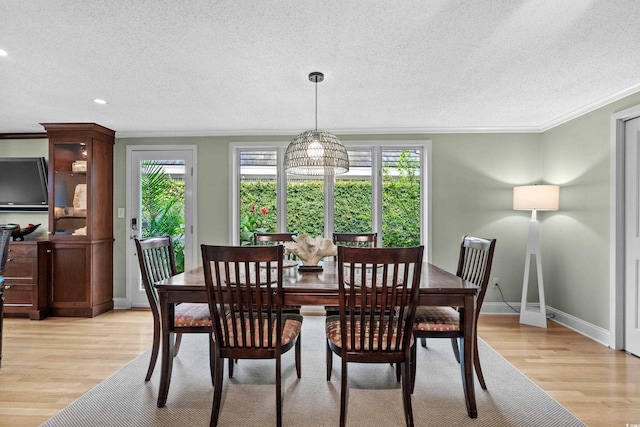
(5,236)
(474,266)
(26,279)
(362,240)
(246,300)
(378,294)
(157,262)
(437,287)
(80,218)
(270,239)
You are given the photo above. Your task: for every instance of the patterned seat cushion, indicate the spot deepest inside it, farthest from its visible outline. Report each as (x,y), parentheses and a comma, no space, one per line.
(190,314)
(445,319)
(292,324)
(332,328)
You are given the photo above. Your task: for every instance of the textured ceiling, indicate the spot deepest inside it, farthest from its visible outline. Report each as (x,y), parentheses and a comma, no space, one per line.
(204,67)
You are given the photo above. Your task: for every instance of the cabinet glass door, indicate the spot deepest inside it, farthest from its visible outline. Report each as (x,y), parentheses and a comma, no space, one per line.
(70,189)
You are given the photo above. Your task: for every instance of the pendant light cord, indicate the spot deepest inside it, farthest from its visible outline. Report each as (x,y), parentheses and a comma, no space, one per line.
(316,104)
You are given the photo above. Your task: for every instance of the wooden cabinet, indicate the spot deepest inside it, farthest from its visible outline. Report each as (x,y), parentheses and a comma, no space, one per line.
(80,218)
(26,279)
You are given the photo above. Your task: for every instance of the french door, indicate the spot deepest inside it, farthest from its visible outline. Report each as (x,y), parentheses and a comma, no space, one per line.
(173,164)
(632,238)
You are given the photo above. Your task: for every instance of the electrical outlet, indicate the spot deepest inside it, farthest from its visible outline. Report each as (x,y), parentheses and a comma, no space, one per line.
(495,282)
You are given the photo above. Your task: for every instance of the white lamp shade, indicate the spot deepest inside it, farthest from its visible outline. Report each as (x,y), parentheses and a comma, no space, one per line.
(536,197)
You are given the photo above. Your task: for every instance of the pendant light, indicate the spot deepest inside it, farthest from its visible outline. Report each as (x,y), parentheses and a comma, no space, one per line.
(315,152)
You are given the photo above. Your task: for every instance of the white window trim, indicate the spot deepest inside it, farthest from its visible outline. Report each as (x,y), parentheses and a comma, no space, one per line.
(376,179)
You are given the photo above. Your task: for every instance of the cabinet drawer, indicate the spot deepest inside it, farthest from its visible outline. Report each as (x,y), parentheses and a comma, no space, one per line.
(22,251)
(21,270)
(19,296)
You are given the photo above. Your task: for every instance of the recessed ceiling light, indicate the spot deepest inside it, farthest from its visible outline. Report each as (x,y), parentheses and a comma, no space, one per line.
(99,101)
(3,52)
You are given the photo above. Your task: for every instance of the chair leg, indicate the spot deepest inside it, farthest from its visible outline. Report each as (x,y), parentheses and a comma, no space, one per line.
(299,357)
(344,394)
(398,372)
(413,366)
(279,390)
(456,350)
(231,368)
(476,365)
(329,361)
(155,349)
(217,388)
(176,346)
(212,360)
(407,389)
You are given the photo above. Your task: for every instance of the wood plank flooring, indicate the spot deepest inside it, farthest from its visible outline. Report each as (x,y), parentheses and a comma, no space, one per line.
(48,364)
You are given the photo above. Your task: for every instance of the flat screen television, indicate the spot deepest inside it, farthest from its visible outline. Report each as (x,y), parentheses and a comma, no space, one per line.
(23,184)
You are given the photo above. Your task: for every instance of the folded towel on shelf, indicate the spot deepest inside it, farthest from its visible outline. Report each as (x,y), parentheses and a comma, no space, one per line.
(80,232)
(68,211)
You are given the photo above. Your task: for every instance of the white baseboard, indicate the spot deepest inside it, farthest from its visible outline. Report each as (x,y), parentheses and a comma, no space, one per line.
(596,333)
(121,304)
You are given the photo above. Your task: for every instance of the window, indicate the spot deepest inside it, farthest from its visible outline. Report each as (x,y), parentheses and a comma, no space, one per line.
(386,191)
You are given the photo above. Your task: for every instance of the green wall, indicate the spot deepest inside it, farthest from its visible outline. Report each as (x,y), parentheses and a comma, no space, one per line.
(472,180)
(575,240)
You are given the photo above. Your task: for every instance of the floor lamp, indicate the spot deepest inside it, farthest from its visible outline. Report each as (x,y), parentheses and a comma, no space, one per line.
(534,198)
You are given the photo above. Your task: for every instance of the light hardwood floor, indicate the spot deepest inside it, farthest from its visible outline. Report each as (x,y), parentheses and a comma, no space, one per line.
(48,364)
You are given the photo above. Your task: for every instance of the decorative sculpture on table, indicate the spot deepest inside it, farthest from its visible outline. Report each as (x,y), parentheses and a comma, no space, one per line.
(310,250)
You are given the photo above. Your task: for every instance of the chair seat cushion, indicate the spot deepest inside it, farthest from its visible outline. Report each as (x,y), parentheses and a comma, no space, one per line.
(334,335)
(292,325)
(437,319)
(189,314)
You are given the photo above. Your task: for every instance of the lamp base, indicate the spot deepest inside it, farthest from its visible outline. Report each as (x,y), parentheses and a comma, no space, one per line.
(533,317)
(536,318)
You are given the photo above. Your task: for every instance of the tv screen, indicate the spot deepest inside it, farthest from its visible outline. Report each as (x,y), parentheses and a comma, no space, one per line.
(23,184)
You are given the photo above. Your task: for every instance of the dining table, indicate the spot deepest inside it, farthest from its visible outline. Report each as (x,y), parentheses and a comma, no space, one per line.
(438,287)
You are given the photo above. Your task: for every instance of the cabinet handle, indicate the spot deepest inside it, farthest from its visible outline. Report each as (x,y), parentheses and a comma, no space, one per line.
(7,287)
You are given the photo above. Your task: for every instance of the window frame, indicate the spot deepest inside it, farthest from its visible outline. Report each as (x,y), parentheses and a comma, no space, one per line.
(376,147)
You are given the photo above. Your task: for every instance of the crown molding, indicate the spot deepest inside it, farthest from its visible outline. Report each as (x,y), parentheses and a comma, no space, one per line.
(23,135)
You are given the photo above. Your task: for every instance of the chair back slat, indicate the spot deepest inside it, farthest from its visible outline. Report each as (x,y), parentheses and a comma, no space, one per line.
(474,263)
(157,262)
(378,290)
(244,288)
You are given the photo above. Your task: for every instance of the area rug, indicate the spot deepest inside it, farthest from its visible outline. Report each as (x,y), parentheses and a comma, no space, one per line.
(375,399)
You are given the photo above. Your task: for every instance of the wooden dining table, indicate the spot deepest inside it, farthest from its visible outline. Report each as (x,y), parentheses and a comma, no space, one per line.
(437,288)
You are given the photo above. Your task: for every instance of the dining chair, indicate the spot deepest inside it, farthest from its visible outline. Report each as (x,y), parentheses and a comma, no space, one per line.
(378,294)
(157,262)
(271,239)
(362,240)
(5,238)
(359,240)
(474,265)
(247,282)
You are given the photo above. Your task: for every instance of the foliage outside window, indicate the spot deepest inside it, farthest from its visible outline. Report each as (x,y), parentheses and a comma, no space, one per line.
(162,206)
(305,205)
(401,202)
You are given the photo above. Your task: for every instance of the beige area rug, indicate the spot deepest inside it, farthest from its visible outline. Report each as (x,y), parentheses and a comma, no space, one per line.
(375,399)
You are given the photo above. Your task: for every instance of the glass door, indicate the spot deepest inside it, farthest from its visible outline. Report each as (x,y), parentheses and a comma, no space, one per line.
(160,203)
